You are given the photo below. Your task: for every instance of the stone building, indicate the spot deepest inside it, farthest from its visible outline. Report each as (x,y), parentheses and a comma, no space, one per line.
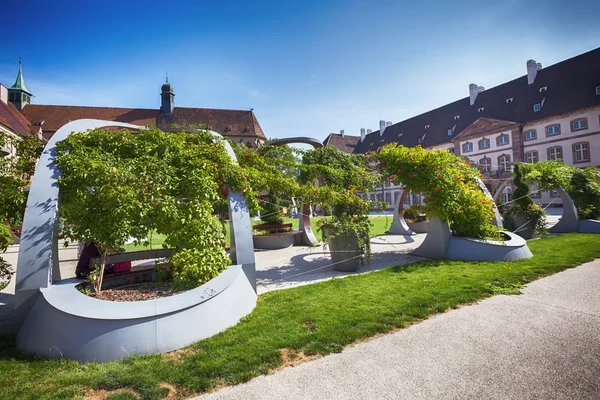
(237,125)
(548,113)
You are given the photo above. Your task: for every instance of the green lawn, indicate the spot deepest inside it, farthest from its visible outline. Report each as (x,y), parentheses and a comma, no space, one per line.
(315,319)
(379,227)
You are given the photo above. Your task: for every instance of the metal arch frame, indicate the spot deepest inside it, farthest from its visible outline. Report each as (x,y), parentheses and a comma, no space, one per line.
(57,320)
(308,236)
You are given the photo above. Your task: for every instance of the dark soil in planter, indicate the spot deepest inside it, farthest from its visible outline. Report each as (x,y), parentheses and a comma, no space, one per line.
(136,292)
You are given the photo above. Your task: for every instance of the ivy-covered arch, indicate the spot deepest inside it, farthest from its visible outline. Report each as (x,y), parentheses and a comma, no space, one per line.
(56,320)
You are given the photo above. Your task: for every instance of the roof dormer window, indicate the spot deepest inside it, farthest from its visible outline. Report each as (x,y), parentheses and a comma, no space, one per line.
(537,107)
(450,132)
(480,109)
(509,100)
(456,117)
(543,89)
(598,90)
(427,126)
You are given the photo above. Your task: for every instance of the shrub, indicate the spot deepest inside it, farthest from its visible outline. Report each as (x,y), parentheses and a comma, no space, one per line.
(414,213)
(523,205)
(449,183)
(271,210)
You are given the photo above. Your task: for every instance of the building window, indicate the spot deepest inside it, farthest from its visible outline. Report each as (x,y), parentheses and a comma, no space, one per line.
(504,163)
(467,147)
(449,131)
(581,152)
(537,107)
(553,130)
(507,195)
(598,90)
(535,192)
(555,153)
(396,196)
(553,193)
(579,124)
(485,165)
(530,135)
(484,144)
(503,139)
(532,157)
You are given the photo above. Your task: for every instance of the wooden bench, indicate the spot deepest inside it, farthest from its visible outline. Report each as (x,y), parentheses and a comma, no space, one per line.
(137,273)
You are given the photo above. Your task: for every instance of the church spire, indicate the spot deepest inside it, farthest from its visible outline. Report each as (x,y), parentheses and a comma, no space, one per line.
(20,82)
(18,94)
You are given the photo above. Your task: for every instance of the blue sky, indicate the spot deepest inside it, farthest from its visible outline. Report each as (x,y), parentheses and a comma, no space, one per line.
(307,68)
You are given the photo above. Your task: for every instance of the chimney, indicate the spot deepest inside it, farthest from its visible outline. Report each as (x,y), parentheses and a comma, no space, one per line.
(369,131)
(381,127)
(539,66)
(362,135)
(480,89)
(342,133)
(532,69)
(388,123)
(3,94)
(473,90)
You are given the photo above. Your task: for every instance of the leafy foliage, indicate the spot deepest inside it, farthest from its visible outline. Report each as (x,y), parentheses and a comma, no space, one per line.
(15,173)
(449,183)
(273,169)
(272,214)
(116,185)
(523,206)
(582,185)
(414,213)
(341,176)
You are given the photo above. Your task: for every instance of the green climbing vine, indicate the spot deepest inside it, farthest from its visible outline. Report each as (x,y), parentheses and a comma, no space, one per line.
(116,185)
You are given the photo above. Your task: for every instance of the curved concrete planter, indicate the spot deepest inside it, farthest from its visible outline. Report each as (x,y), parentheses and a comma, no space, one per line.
(440,244)
(469,249)
(55,320)
(345,255)
(418,227)
(589,226)
(273,241)
(524,227)
(66,323)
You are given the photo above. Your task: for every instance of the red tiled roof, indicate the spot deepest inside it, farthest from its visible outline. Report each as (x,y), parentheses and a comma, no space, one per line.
(53,117)
(12,119)
(226,122)
(344,143)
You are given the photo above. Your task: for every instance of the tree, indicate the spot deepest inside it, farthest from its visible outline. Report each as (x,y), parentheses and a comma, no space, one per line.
(15,174)
(115,185)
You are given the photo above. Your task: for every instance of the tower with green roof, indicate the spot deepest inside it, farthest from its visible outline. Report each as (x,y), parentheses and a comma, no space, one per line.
(18,94)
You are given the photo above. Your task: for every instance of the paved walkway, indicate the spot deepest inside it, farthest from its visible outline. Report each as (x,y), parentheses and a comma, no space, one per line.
(543,344)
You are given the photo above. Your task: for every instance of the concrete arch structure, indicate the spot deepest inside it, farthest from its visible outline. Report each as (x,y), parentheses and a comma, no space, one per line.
(400,227)
(439,242)
(308,236)
(56,320)
(569,222)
